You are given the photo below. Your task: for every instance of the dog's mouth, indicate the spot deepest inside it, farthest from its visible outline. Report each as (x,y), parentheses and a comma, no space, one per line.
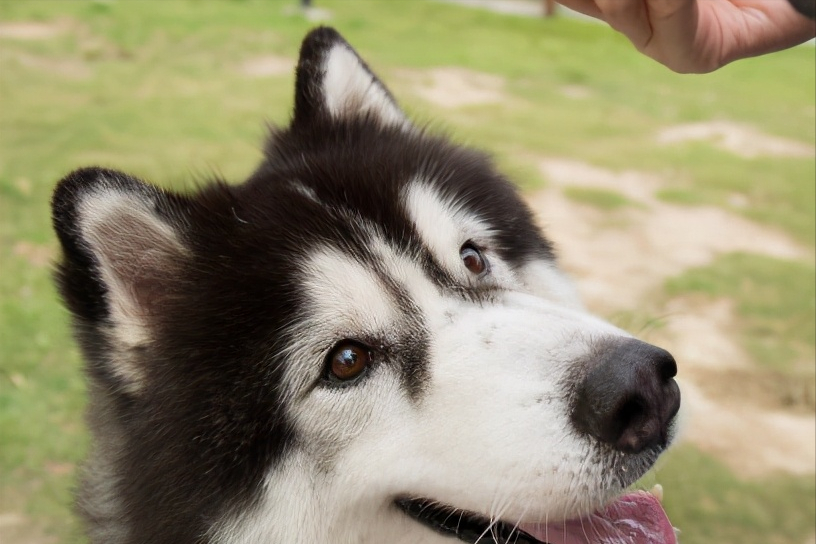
(632,518)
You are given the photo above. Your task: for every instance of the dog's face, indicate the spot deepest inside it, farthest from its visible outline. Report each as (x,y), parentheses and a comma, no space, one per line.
(367,335)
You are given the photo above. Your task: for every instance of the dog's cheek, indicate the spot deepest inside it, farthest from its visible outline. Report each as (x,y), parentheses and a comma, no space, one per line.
(544,279)
(329,419)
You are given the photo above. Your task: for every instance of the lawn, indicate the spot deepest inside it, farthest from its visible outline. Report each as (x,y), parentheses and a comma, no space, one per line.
(161,90)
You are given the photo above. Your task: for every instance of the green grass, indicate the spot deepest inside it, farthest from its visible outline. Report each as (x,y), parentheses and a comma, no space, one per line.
(783,199)
(154,88)
(775,302)
(771,510)
(600,198)
(682,196)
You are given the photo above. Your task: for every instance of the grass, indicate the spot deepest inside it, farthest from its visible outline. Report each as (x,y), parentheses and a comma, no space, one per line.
(600,198)
(775,301)
(727,509)
(683,196)
(783,199)
(154,88)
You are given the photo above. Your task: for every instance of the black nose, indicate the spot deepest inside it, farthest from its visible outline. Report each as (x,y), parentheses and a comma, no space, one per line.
(629,397)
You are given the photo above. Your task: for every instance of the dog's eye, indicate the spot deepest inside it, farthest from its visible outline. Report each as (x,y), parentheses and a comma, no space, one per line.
(347,361)
(473,259)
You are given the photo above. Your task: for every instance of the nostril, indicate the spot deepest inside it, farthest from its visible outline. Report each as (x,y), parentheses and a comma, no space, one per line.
(630,412)
(637,426)
(618,425)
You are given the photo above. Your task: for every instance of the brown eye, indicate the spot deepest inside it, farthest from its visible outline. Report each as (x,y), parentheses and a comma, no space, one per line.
(473,259)
(347,361)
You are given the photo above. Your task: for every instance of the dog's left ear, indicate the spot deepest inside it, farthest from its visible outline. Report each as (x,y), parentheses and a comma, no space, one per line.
(334,83)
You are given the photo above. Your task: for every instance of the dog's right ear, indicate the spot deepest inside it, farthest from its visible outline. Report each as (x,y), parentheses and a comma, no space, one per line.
(123,249)
(333,83)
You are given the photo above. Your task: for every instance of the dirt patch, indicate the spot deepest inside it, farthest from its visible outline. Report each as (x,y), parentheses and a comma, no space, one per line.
(743,140)
(576,92)
(702,334)
(639,186)
(655,241)
(268,66)
(19,529)
(755,421)
(70,68)
(58,468)
(24,186)
(79,66)
(752,440)
(762,388)
(35,255)
(312,14)
(453,87)
(91,48)
(522,8)
(28,31)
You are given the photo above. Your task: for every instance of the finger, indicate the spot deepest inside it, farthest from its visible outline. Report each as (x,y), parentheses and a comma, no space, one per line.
(676,23)
(587,7)
(630,17)
(674,19)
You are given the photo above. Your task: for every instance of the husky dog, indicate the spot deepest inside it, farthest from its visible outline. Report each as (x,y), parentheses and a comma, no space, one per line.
(366,342)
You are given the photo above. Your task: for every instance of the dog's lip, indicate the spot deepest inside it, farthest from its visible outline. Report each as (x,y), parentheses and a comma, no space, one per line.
(462,524)
(632,518)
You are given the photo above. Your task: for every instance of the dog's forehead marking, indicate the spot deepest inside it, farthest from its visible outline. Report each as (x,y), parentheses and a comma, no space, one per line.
(346,292)
(403,270)
(442,224)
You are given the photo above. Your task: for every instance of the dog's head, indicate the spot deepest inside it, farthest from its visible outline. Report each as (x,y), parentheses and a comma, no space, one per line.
(367,341)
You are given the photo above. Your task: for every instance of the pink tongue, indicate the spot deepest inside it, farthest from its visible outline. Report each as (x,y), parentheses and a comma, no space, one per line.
(634,518)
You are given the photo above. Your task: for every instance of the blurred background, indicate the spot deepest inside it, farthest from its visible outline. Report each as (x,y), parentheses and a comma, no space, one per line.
(682,205)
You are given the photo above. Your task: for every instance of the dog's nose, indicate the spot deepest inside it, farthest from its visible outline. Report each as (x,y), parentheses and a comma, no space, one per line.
(629,397)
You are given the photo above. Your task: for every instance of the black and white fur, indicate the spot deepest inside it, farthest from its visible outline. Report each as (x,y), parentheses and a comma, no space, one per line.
(206,320)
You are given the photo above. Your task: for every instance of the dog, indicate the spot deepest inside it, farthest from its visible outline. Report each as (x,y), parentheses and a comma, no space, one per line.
(368,341)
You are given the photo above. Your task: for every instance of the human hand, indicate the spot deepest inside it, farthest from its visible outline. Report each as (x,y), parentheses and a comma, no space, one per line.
(698,36)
